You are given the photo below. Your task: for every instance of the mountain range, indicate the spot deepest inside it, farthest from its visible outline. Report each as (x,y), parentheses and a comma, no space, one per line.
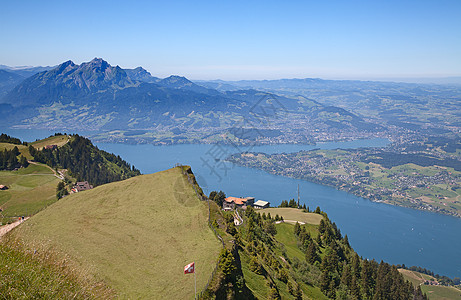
(97,96)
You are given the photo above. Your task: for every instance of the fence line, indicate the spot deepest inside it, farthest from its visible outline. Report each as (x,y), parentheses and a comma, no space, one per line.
(203,197)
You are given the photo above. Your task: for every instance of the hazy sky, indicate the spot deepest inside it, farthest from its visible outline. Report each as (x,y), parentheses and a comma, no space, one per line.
(240,39)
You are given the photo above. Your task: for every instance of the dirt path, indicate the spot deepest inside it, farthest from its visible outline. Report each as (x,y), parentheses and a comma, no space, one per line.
(7,228)
(60,176)
(289,221)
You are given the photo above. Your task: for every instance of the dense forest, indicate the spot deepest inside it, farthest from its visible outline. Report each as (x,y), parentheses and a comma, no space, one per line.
(85,161)
(9,159)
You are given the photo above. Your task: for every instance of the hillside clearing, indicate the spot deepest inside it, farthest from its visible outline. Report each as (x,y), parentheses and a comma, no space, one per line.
(136,235)
(29,190)
(433,292)
(293,214)
(58,140)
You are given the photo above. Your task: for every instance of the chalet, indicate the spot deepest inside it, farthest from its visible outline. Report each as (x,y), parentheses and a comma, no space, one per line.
(3,187)
(81,186)
(52,147)
(260,204)
(233,202)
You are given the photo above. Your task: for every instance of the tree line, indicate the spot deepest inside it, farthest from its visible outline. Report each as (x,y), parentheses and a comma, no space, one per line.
(4,138)
(9,159)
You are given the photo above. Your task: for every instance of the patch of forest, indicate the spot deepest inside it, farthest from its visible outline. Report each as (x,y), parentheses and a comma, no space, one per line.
(85,161)
(4,138)
(392,159)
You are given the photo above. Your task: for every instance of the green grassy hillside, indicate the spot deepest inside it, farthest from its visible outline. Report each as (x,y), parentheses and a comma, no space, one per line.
(29,190)
(136,235)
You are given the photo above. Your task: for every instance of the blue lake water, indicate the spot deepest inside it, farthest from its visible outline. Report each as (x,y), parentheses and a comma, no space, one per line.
(394,234)
(375,230)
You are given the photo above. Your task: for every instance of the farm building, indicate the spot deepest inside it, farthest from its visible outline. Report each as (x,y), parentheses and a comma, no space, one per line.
(261,204)
(52,147)
(81,186)
(3,187)
(233,202)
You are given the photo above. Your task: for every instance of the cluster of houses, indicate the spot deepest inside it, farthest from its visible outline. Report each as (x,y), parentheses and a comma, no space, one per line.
(81,186)
(231,203)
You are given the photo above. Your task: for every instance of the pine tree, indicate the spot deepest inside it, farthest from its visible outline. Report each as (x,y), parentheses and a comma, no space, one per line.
(274,294)
(311,254)
(227,263)
(346,241)
(325,282)
(356,265)
(283,276)
(297,228)
(355,288)
(298,292)
(346,277)
(290,288)
(367,281)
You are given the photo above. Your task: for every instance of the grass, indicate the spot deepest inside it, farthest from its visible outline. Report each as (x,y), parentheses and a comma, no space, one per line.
(29,275)
(30,190)
(437,292)
(59,140)
(136,235)
(285,235)
(293,214)
(434,292)
(256,283)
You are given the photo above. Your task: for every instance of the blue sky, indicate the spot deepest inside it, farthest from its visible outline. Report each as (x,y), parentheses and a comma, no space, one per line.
(240,39)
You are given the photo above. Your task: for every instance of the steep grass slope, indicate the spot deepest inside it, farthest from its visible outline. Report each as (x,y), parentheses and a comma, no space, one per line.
(136,235)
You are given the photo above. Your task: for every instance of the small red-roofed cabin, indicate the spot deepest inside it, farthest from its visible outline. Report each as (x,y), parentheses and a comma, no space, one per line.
(82,186)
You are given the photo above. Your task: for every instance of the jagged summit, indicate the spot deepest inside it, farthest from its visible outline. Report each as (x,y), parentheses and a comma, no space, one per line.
(69,80)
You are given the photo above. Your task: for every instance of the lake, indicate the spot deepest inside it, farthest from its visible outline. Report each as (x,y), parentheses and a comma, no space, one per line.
(394,234)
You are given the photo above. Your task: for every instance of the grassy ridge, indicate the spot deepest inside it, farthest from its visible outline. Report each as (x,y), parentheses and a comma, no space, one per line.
(136,235)
(58,140)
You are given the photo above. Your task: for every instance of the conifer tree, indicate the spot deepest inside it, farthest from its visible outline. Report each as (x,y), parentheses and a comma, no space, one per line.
(311,254)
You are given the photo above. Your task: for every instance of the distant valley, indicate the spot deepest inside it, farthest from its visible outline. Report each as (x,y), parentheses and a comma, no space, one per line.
(133,106)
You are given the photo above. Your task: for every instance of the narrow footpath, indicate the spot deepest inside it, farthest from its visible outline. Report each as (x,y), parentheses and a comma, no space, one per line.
(7,228)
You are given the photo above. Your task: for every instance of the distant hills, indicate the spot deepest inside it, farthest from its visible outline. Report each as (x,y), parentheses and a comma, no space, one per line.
(26,71)
(8,81)
(97,96)
(423,108)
